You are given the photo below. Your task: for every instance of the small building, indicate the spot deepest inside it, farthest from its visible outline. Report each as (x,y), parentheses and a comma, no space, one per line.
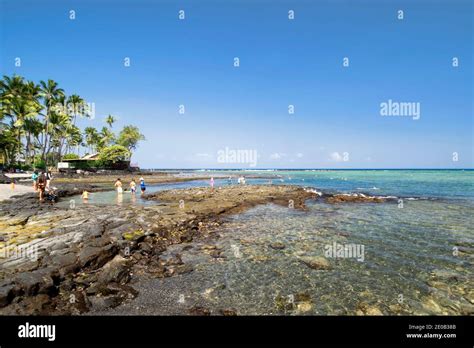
(89,162)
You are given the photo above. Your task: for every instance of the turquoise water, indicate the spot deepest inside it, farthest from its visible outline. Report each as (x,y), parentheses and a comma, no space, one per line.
(409,263)
(417,259)
(425,184)
(400,183)
(111,196)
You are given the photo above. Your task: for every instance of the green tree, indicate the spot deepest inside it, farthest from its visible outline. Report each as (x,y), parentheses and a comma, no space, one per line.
(91,138)
(129,137)
(114,154)
(110,120)
(51,94)
(106,138)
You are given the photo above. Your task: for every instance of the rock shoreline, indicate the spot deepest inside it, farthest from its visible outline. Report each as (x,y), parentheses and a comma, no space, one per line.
(87,256)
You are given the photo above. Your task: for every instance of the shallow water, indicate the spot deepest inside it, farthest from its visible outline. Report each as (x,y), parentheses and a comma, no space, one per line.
(112,197)
(417,256)
(408,261)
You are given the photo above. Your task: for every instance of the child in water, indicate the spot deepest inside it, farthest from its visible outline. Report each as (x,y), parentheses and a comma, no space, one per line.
(85,196)
(118,185)
(133,187)
(142,186)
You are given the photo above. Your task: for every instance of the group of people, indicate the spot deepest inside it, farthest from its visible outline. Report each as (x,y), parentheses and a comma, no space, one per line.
(119,188)
(42,185)
(133,186)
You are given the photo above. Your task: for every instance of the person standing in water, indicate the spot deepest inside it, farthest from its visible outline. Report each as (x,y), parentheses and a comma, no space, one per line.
(41,186)
(212,183)
(118,185)
(49,177)
(142,186)
(35,180)
(133,187)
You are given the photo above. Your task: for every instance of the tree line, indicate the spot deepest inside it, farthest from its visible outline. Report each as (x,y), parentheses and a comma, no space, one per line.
(38,126)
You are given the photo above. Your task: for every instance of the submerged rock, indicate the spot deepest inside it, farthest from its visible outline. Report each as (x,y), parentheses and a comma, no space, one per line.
(365,309)
(277,246)
(200,311)
(228,312)
(355,198)
(316,262)
(304,307)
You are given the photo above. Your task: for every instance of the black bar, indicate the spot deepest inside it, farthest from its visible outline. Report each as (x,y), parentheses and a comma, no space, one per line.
(133,330)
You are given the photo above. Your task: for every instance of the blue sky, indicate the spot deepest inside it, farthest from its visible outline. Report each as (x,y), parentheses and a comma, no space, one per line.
(282,62)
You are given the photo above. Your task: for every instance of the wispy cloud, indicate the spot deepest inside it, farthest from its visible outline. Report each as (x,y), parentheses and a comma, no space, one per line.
(203,155)
(277,155)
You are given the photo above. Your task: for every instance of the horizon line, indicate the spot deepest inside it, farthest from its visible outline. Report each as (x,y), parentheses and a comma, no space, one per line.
(256,169)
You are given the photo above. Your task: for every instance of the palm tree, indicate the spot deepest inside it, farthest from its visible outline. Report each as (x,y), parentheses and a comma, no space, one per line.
(110,120)
(50,94)
(19,100)
(60,123)
(31,124)
(91,137)
(76,103)
(106,137)
(129,137)
(73,137)
(33,128)
(22,109)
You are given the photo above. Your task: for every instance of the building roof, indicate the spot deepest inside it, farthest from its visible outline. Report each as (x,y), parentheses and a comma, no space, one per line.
(91,157)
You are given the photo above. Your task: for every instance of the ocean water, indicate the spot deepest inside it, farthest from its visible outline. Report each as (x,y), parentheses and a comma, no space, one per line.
(413,258)
(401,183)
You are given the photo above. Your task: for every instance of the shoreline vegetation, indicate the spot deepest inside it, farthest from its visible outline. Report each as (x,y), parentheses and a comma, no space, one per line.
(88,257)
(39,129)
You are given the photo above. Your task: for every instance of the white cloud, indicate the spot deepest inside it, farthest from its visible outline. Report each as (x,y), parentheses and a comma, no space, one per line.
(299,155)
(203,155)
(336,157)
(276,155)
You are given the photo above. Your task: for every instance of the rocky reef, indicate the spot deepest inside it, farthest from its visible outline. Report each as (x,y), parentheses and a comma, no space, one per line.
(69,261)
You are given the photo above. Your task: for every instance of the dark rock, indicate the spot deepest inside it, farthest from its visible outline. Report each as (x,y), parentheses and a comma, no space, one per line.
(35,305)
(355,198)
(228,312)
(145,247)
(32,283)
(277,246)
(79,302)
(183,269)
(200,311)
(117,270)
(171,259)
(215,253)
(7,293)
(97,256)
(316,262)
(66,263)
(104,302)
